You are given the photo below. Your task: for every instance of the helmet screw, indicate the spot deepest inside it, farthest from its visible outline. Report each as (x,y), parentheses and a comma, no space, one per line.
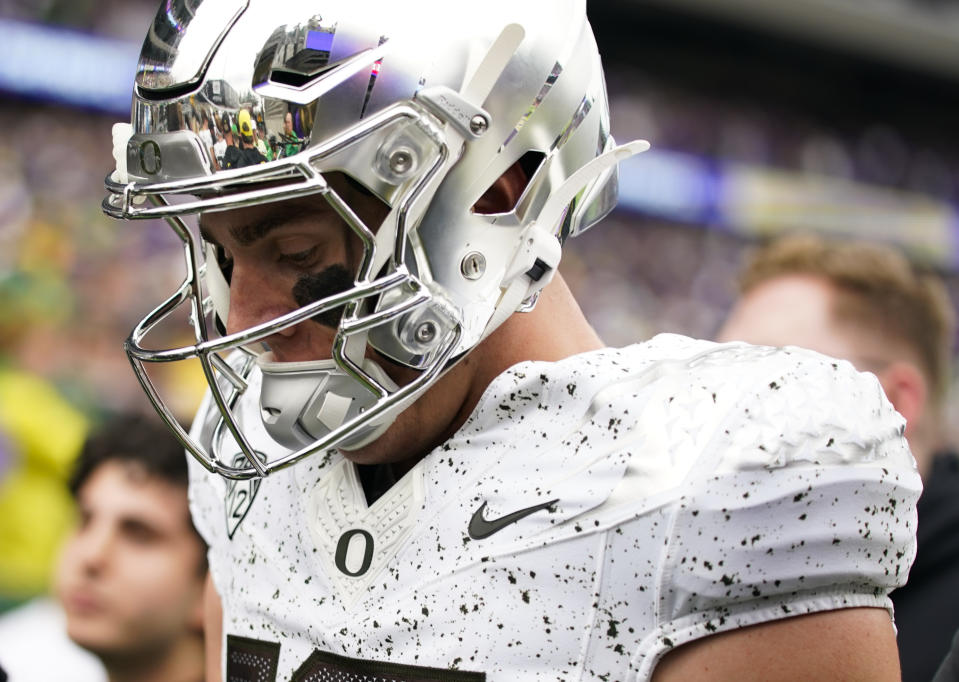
(473,265)
(401,161)
(426,332)
(479,124)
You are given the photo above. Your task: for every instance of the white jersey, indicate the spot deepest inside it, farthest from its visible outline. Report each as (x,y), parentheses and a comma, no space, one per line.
(34,646)
(589,516)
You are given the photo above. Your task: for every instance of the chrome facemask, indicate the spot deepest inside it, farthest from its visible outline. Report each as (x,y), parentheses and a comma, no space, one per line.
(312,406)
(424,118)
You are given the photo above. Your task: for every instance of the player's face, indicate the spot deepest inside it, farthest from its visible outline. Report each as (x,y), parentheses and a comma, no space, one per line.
(284,255)
(130,576)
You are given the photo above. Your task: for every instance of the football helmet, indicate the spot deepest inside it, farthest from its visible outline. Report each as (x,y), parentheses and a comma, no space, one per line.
(423,104)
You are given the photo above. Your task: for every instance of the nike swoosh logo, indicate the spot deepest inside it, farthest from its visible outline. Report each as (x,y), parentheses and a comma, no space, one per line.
(481,527)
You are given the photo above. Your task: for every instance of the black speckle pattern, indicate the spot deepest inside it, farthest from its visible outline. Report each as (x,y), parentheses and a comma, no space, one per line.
(699,488)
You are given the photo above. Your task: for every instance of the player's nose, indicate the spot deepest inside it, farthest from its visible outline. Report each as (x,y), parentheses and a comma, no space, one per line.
(255,298)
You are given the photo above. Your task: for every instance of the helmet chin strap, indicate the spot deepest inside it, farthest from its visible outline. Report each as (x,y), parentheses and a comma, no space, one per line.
(216,285)
(122,132)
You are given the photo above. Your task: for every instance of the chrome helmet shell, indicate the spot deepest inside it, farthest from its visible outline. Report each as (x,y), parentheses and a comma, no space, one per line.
(424,104)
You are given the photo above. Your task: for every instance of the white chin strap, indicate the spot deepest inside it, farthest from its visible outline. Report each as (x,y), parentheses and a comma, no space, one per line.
(122,132)
(301,403)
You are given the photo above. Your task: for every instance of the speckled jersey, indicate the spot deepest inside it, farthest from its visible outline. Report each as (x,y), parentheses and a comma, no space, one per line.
(590,515)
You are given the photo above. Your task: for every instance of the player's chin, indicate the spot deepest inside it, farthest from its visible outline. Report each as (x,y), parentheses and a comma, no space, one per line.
(371,453)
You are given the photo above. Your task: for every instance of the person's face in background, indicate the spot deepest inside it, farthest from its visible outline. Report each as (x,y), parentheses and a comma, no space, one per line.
(131,575)
(791,310)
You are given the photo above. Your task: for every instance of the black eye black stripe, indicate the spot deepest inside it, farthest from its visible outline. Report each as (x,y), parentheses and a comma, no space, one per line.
(311,288)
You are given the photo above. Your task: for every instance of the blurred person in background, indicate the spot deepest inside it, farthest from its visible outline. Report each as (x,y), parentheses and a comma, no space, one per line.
(35,515)
(131,576)
(35,460)
(35,507)
(866,303)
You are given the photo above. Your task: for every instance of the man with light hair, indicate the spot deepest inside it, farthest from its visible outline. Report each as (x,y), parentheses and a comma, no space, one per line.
(866,303)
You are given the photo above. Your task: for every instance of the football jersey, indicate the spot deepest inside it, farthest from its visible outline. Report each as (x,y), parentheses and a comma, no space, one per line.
(589,516)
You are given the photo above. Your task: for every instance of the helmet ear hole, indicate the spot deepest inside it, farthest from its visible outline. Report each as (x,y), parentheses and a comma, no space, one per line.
(531,162)
(505,192)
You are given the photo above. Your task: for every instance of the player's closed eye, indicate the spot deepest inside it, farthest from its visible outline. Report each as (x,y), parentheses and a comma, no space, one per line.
(301,259)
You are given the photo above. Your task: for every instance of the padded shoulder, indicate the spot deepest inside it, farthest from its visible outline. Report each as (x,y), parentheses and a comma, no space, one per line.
(797,407)
(800,499)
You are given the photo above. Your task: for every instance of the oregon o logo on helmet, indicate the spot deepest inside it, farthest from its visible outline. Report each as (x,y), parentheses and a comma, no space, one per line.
(150,161)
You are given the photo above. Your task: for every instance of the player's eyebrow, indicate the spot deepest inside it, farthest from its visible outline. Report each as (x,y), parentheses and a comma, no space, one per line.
(249,233)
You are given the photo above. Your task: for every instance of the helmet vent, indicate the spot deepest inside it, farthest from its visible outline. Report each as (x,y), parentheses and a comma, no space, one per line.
(292,78)
(530,162)
(303,68)
(162,94)
(503,197)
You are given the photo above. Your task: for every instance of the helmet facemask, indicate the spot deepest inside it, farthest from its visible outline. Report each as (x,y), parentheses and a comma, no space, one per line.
(435,277)
(346,400)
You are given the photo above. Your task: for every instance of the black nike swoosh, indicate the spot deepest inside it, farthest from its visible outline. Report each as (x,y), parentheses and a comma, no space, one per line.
(481,528)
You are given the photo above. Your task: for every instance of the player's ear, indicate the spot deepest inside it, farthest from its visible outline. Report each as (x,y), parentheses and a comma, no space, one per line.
(502,195)
(907,390)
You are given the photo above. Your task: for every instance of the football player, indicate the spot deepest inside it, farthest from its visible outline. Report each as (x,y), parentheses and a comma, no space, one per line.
(416,460)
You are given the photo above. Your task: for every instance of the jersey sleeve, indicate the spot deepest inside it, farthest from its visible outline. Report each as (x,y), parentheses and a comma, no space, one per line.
(804,501)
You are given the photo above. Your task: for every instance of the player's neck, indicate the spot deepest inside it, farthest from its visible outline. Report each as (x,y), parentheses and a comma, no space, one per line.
(554,330)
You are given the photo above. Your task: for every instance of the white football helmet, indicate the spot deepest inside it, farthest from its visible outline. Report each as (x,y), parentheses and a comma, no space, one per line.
(424,104)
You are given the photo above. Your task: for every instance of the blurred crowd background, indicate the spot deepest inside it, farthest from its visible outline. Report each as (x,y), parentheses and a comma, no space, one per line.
(766,116)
